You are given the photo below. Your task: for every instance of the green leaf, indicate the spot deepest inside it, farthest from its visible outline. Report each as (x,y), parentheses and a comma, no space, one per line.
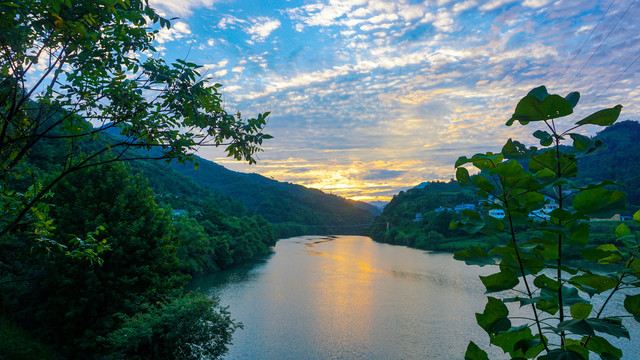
(462,175)
(510,168)
(573,98)
(559,354)
(622,230)
(504,280)
(604,117)
(581,310)
(544,282)
(587,327)
(579,233)
(636,217)
(516,150)
(611,326)
(494,318)
(516,336)
(580,142)
(527,344)
(599,202)
(540,93)
(531,108)
(632,305)
(603,348)
(577,326)
(604,254)
(475,353)
(472,224)
(483,183)
(595,281)
(548,161)
(474,256)
(545,137)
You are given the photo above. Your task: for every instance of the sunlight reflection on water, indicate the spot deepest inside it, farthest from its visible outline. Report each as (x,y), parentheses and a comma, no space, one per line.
(348,297)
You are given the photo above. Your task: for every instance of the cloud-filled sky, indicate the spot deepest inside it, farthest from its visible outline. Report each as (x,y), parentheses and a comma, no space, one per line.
(370,97)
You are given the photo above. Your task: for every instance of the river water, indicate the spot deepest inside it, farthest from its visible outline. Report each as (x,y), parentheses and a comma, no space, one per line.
(348,297)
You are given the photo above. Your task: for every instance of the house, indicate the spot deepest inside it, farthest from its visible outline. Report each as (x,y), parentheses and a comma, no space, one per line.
(463,206)
(418,217)
(497,213)
(442,208)
(543,214)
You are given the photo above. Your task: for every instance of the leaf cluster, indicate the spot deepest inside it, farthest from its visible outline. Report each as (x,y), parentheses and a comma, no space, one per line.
(546,214)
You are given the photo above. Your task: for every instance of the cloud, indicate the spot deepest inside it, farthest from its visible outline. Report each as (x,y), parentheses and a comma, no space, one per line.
(536,3)
(228,20)
(382,174)
(178,30)
(262,27)
(369,97)
(494,4)
(183,8)
(443,21)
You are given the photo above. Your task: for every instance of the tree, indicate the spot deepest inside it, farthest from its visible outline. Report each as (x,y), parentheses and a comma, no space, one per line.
(76,70)
(74,303)
(562,320)
(191,326)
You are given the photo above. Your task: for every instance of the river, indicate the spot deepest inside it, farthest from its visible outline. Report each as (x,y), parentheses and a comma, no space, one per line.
(348,297)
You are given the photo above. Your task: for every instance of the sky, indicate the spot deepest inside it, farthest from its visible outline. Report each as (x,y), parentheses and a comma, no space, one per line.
(371,97)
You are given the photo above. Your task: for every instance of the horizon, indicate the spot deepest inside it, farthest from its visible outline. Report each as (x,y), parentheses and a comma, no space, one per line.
(368,98)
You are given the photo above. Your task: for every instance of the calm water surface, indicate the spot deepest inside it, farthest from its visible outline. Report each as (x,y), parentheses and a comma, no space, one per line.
(348,297)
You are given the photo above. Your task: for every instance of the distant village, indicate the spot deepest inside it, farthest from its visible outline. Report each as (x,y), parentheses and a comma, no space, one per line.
(540,214)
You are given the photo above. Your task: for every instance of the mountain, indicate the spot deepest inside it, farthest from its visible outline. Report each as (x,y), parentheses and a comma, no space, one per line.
(282,202)
(379,204)
(402,221)
(620,163)
(296,209)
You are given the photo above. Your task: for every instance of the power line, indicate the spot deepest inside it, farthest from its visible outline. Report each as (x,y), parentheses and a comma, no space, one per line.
(614,81)
(603,40)
(583,44)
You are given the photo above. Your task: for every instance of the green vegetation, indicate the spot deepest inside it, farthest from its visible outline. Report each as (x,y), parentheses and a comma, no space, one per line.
(559,318)
(616,163)
(293,209)
(417,218)
(81,61)
(91,266)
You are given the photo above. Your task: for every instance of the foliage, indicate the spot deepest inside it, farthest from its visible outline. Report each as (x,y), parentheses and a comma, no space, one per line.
(564,322)
(295,209)
(17,344)
(618,163)
(431,230)
(73,302)
(75,70)
(190,326)
(76,305)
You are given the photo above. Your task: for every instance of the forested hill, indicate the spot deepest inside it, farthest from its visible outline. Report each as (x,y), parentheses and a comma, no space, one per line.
(294,209)
(429,229)
(620,162)
(283,203)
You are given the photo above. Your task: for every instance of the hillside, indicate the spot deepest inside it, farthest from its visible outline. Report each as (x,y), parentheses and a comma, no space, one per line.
(620,162)
(281,202)
(295,209)
(413,220)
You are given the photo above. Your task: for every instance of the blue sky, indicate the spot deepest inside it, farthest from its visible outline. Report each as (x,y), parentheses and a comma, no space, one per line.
(368,98)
